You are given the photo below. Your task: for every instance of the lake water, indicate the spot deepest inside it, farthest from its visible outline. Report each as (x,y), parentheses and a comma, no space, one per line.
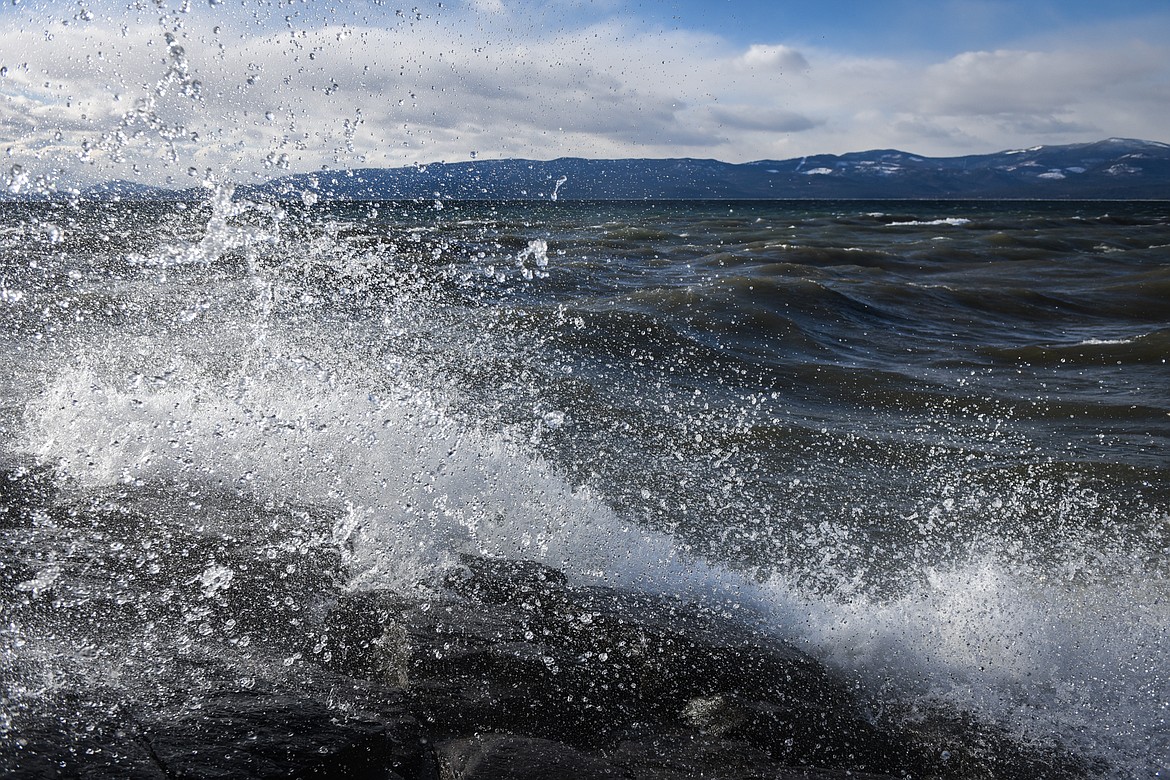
(929,443)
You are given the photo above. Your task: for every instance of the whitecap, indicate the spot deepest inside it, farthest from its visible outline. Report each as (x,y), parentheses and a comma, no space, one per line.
(954,221)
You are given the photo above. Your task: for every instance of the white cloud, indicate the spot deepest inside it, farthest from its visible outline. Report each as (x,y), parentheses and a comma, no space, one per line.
(773,58)
(388,90)
(1013,82)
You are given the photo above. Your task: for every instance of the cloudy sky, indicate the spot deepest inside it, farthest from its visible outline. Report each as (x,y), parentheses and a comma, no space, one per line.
(158,90)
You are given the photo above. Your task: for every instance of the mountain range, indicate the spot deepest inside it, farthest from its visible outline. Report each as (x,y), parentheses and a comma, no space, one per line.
(1113,169)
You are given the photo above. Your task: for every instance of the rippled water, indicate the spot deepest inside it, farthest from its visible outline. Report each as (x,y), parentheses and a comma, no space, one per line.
(926,441)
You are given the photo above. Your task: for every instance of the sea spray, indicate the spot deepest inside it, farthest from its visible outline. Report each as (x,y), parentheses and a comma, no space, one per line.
(349,385)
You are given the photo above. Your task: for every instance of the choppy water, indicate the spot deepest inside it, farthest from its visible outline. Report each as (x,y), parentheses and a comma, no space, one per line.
(930,443)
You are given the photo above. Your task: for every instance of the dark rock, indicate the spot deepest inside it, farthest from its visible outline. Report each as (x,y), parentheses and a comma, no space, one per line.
(507,667)
(72,738)
(84,571)
(507,757)
(501,581)
(689,756)
(648,687)
(947,744)
(262,734)
(669,756)
(465,667)
(589,667)
(318,727)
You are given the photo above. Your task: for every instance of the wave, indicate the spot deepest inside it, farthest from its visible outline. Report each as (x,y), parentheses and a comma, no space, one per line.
(424,425)
(1144,349)
(949,221)
(412,485)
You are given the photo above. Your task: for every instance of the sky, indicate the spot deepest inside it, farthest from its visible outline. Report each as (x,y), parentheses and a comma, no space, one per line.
(165,91)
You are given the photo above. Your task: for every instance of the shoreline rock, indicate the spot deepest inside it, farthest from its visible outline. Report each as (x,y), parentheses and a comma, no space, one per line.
(525,653)
(505,669)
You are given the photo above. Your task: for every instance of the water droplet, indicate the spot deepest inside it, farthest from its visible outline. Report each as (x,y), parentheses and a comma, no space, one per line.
(557,187)
(18,179)
(214,579)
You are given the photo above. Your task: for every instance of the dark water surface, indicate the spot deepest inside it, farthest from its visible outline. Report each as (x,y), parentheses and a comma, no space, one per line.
(928,442)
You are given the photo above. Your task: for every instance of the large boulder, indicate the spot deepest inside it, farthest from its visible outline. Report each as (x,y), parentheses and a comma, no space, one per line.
(517,650)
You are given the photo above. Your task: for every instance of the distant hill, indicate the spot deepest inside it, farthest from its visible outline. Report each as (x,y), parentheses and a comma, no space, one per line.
(1112,169)
(1116,168)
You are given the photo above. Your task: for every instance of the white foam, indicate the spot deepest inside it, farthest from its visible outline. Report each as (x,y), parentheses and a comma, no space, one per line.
(413,487)
(1101,342)
(954,221)
(1081,664)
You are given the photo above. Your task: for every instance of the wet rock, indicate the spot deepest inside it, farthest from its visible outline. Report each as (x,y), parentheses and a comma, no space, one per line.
(89,745)
(670,756)
(690,756)
(949,744)
(502,669)
(265,734)
(102,569)
(501,581)
(464,667)
(507,757)
(630,685)
(320,726)
(525,653)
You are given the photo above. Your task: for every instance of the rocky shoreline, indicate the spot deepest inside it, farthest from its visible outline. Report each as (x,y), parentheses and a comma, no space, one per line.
(504,669)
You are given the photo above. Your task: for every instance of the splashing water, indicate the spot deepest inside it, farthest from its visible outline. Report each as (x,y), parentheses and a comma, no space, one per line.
(938,466)
(366,367)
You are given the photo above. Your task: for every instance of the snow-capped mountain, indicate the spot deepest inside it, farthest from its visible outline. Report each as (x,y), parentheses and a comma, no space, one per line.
(1112,169)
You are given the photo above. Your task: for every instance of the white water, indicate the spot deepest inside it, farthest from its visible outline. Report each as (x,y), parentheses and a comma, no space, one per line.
(952,221)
